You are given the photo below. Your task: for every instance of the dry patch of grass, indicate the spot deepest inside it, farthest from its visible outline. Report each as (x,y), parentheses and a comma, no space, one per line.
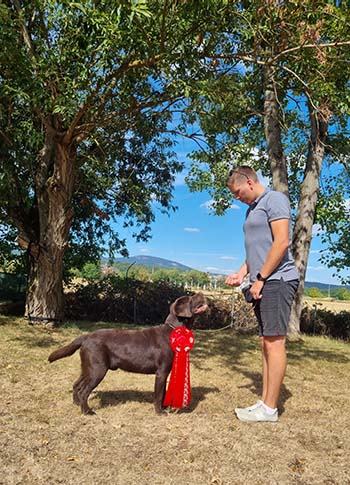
(328,304)
(45,440)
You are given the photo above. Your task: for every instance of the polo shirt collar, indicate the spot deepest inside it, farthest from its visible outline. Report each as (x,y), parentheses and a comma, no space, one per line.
(256,201)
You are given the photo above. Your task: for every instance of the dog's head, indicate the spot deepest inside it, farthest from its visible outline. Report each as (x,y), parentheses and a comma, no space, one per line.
(184,309)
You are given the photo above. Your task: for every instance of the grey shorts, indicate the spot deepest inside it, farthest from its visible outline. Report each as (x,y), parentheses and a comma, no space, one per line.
(273,310)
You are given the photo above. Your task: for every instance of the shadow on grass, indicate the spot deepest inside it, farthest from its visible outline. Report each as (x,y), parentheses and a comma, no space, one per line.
(255,387)
(113,398)
(303,350)
(230,346)
(41,336)
(233,350)
(86,326)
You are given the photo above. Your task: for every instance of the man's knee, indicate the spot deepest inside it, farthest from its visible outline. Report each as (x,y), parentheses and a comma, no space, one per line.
(274,343)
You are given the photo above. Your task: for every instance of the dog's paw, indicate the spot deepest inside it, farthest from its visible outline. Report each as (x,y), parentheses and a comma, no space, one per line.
(162,411)
(89,412)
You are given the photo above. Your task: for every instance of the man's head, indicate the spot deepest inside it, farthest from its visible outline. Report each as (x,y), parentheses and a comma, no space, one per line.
(244,184)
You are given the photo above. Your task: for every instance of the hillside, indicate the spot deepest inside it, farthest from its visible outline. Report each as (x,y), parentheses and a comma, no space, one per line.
(324,286)
(155,262)
(166,263)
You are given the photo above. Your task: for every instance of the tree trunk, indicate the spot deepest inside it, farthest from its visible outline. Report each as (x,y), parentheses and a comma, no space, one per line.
(54,191)
(309,189)
(273,136)
(302,233)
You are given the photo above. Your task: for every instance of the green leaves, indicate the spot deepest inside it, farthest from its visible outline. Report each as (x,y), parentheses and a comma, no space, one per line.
(105,78)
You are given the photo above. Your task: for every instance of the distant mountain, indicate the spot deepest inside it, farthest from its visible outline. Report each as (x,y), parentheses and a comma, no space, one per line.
(153,261)
(166,263)
(324,286)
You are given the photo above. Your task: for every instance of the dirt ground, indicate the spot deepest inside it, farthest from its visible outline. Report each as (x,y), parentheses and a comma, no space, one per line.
(45,440)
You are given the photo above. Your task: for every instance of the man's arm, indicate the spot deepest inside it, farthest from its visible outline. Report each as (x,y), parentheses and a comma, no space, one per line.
(280,232)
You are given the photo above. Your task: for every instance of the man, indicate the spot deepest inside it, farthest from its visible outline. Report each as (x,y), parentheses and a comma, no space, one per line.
(273,278)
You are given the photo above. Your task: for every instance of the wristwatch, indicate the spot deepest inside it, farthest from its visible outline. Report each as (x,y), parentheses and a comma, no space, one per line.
(260,278)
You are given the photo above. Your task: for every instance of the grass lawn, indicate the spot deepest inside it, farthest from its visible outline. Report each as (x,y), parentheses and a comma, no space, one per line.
(45,440)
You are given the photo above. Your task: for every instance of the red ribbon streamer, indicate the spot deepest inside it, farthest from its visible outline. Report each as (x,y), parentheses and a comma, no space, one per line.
(178,394)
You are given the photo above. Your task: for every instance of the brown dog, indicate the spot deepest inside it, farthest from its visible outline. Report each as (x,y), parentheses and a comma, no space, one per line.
(145,351)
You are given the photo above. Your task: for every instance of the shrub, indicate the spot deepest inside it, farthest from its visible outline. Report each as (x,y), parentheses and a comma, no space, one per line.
(123,300)
(126,300)
(325,322)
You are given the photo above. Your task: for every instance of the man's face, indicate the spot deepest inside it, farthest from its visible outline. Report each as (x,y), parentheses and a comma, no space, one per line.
(243,191)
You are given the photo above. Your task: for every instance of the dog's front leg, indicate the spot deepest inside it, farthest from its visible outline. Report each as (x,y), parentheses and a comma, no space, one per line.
(159,392)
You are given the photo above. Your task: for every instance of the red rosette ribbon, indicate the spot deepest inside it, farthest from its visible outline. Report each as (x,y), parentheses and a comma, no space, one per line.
(178,394)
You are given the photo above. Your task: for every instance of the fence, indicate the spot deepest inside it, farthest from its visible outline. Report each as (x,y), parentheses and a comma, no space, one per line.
(12,286)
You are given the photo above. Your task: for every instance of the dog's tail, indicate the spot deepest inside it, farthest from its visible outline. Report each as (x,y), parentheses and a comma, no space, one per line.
(67,350)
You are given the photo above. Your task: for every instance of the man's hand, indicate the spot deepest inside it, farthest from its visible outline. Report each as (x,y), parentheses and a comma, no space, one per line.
(256,288)
(235,279)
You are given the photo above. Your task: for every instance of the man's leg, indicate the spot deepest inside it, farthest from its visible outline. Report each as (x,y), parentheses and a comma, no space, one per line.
(276,363)
(264,370)
(274,368)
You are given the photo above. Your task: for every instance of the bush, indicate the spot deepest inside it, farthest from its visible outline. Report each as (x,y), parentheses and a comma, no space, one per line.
(228,311)
(126,300)
(123,300)
(315,293)
(325,322)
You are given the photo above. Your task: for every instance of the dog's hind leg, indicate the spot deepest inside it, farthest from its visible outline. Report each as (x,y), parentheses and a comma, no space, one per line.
(93,370)
(76,389)
(86,384)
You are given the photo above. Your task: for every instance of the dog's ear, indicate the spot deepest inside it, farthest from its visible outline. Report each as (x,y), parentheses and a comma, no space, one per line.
(182,307)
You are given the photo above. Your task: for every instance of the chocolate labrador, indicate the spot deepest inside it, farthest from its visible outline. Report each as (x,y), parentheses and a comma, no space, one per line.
(144,351)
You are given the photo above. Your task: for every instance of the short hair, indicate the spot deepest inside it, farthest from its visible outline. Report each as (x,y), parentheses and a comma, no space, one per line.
(240,174)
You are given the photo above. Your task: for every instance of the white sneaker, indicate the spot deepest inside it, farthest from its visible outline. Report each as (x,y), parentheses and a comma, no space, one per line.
(256,414)
(249,408)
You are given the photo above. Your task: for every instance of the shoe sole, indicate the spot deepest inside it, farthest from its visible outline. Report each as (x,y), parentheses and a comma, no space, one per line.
(242,417)
(257,420)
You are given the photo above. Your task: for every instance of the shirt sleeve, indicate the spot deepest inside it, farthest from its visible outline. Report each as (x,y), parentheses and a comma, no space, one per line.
(278,206)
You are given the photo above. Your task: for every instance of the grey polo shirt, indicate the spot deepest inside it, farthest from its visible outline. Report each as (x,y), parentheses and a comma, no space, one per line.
(270,206)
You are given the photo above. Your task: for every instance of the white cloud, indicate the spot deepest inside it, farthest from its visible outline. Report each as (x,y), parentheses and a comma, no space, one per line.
(226,271)
(234,207)
(180,178)
(208,204)
(144,250)
(315,251)
(347,204)
(191,229)
(316,268)
(229,258)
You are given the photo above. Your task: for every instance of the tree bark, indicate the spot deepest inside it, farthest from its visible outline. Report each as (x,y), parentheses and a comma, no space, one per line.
(309,189)
(273,135)
(302,233)
(54,191)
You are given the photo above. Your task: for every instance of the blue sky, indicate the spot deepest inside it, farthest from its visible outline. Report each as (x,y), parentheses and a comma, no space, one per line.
(195,237)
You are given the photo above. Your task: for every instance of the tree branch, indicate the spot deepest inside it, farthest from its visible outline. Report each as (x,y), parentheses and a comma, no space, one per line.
(26,36)
(310,46)
(112,79)
(84,129)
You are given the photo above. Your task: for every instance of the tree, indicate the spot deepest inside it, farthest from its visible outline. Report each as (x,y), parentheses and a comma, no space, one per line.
(91,271)
(281,89)
(315,293)
(87,93)
(333,215)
